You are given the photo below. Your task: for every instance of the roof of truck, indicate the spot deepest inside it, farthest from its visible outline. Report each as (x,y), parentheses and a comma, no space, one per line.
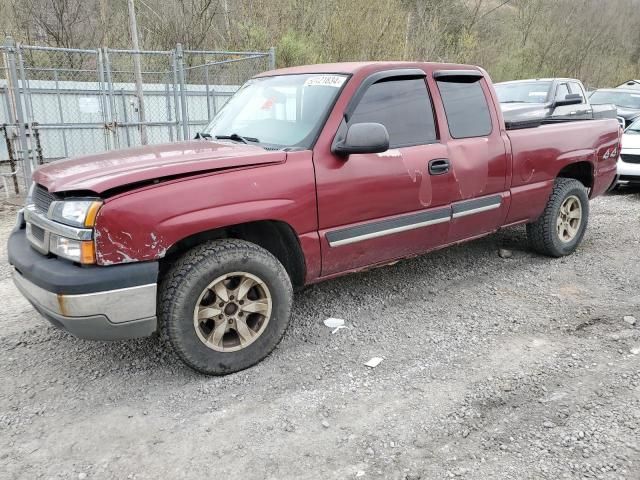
(355,67)
(630,83)
(554,79)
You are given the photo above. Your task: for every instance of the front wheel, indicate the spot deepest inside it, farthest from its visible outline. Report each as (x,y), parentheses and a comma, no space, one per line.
(562,225)
(225,305)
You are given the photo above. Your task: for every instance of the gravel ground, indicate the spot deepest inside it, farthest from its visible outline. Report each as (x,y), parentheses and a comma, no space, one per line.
(510,368)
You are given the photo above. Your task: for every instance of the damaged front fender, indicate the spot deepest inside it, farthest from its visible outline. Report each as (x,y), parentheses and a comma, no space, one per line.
(141,225)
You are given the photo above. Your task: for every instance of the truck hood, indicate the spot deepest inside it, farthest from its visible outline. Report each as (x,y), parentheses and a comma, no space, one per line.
(105,171)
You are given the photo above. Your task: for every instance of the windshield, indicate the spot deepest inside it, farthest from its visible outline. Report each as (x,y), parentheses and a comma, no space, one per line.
(634,128)
(620,99)
(523,92)
(281,111)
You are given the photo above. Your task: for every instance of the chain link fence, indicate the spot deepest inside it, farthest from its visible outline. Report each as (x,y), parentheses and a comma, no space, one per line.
(57,103)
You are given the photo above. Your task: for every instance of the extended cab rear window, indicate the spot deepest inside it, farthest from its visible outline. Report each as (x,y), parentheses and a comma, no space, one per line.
(466,107)
(403,107)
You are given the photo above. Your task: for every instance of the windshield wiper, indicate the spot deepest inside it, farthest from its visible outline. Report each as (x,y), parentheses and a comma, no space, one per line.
(237,138)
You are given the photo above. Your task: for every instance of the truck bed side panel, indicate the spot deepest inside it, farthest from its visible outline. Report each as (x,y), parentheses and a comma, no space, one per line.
(539,154)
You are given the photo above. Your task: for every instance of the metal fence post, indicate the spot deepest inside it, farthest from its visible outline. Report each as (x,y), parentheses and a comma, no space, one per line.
(167,100)
(125,117)
(60,112)
(183,94)
(16,101)
(112,121)
(176,101)
(272,58)
(28,103)
(104,103)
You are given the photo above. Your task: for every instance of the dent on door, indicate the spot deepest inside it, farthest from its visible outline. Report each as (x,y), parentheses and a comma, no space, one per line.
(479,203)
(376,208)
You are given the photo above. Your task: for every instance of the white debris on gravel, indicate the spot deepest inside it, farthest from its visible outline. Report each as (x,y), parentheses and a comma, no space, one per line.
(630,319)
(334,322)
(374,362)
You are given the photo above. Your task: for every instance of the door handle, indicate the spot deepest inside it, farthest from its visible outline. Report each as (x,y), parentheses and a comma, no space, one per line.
(438,166)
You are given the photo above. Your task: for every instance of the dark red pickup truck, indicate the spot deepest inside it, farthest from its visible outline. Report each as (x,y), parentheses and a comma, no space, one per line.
(306,174)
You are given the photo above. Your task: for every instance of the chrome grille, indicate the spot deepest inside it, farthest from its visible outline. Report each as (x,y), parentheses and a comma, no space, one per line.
(630,158)
(42,198)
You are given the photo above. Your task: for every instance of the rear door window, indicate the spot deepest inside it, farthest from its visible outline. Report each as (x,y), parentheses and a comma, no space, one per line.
(403,107)
(466,107)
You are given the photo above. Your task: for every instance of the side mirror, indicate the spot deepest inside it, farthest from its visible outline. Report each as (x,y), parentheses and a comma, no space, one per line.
(363,138)
(570,99)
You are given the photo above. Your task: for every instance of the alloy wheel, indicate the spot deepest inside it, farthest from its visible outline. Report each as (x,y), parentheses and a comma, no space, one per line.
(232,311)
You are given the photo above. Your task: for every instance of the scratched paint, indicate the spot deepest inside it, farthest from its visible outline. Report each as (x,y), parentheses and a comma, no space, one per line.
(122,247)
(422,181)
(390,153)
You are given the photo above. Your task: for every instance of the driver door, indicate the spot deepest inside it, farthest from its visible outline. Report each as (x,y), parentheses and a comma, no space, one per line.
(378,207)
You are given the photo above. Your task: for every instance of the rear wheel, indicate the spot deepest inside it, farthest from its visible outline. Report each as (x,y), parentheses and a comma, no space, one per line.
(562,225)
(225,305)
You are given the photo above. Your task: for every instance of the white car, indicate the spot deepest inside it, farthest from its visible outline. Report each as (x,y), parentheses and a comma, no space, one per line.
(629,161)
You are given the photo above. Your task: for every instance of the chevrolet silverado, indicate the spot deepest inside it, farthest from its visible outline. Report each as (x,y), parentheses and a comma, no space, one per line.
(306,174)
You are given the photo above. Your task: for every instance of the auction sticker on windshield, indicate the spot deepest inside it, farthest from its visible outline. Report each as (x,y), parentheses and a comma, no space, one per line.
(325,81)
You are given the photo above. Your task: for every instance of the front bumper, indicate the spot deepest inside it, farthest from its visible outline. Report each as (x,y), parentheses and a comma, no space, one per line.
(97,303)
(628,173)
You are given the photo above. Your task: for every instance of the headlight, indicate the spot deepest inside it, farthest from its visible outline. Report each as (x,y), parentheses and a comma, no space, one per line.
(74,250)
(76,213)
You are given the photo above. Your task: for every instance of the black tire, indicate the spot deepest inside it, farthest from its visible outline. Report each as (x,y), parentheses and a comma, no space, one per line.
(543,233)
(181,287)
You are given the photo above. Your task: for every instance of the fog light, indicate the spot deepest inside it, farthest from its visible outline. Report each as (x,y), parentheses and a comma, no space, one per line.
(74,250)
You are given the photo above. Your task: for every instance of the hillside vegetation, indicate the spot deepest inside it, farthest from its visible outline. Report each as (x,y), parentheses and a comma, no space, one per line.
(595,40)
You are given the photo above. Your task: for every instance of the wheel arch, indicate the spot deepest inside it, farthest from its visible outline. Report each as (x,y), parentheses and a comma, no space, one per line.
(583,171)
(275,236)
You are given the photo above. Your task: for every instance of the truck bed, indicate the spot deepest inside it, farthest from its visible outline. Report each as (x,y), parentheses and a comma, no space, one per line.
(599,112)
(535,167)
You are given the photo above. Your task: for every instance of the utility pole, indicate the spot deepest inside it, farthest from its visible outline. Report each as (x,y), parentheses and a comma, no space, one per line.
(133,28)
